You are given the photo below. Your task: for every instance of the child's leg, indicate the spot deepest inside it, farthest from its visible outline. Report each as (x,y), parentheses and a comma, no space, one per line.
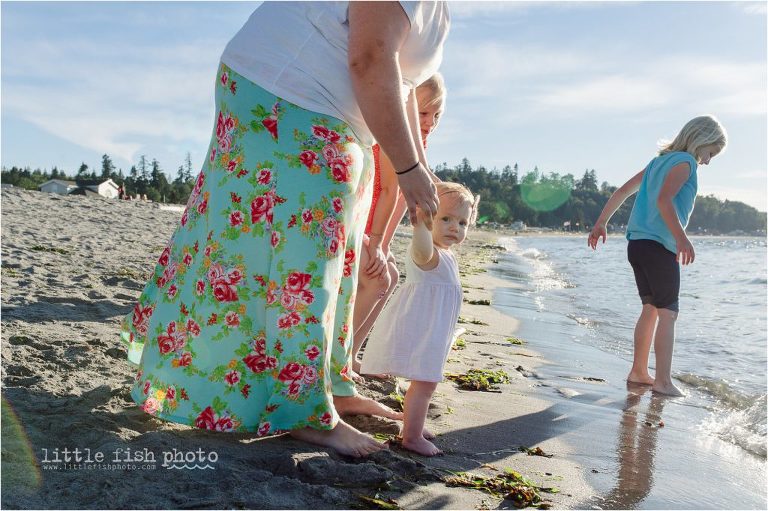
(364,328)
(416,405)
(663,346)
(644,329)
(369,292)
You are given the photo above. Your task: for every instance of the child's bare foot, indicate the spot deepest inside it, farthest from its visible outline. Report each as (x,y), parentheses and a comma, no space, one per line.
(428,434)
(356,377)
(421,445)
(641,378)
(344,439)
(667,388)
(361,405)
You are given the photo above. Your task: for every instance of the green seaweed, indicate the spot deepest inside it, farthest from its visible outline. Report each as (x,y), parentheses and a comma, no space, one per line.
(376,502)
(399,398)
(479,302)
(41,248)
(510,485)
(515,340)
(479,379)
(471,321)
(535,451)
(460,344)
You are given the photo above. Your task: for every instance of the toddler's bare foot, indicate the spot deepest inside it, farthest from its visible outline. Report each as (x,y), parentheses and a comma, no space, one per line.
(641,378)
(356,377)
(421,445)
(361,405)
(667,388)
(344,439)
(428,434)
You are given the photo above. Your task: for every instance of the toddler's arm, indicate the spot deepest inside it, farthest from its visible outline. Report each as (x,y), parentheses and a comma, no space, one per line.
(422,250)
(617,199)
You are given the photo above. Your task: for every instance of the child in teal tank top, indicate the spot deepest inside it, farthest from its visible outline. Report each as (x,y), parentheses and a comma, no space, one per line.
(666,191)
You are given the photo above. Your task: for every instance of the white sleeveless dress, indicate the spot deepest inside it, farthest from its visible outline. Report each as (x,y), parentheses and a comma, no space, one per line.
(414,334)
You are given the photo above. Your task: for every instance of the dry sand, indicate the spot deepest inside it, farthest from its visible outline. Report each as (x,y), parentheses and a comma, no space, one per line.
(72,268)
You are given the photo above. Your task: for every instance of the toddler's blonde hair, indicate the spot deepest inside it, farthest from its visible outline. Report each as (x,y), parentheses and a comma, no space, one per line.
(698,132)
(435,84)
(455,194)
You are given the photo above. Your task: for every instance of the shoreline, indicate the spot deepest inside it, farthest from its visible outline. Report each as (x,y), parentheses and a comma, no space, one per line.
(66,380)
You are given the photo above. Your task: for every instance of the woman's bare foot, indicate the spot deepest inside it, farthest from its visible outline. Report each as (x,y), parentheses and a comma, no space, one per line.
(667,389)
(641,378)
(344,439)
(361,405)
(421,445)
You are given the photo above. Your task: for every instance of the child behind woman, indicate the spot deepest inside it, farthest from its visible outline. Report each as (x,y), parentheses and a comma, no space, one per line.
(413,337)
(658,243)
(378,275)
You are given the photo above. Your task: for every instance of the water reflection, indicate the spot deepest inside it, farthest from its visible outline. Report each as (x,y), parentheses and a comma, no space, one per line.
(636,448)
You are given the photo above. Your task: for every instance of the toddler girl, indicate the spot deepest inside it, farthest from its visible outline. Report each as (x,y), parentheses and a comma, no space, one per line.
(413,337)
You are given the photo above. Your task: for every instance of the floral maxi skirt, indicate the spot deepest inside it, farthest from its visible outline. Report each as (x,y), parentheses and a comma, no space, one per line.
(246,322)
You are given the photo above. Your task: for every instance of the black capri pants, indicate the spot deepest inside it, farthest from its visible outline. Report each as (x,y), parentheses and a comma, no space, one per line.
(657,273)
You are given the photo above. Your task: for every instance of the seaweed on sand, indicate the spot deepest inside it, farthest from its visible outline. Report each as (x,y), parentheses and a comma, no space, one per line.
(510,485)
(472,321)
(460,344)
(479,302)
(479,379)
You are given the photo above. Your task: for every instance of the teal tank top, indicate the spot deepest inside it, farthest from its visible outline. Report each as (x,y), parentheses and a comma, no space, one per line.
(645,222)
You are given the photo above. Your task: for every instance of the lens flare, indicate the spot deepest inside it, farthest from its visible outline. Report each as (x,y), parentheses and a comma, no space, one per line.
(19,466)
(546,196)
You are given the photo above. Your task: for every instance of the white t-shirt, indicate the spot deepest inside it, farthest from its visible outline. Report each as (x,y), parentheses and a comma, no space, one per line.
(298,51)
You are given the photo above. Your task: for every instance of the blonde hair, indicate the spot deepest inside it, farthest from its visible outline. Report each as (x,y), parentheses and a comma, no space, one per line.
(435,84)
(698,132)
(455,194)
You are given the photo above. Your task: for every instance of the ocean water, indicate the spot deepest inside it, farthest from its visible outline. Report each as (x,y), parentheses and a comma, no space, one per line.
(579,307)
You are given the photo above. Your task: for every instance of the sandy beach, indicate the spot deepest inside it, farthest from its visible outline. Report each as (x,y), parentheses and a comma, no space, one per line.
(72,268)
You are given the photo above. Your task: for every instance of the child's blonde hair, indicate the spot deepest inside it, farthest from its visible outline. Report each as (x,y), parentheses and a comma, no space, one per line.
(455,194)
(698,132)
(435,84)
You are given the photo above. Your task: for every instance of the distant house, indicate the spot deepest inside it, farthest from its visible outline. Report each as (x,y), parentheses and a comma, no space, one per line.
(518,225)
(59,186)
(104,188)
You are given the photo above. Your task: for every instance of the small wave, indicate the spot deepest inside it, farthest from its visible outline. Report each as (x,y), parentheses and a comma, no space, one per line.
(758,281)
(719,389)
(745,428)
(580,320)
(533,253)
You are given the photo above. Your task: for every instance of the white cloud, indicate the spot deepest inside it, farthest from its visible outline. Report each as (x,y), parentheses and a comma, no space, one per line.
(110,98)
(608,93)
(759,7)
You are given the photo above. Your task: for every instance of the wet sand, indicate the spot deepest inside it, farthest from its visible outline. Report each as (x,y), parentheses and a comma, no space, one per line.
(72,267)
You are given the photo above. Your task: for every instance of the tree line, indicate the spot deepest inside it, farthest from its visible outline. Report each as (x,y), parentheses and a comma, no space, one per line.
(535,198)
(145,178)
(562,201)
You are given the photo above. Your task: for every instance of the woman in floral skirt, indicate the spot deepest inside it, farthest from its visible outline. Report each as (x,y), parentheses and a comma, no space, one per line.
(246,323)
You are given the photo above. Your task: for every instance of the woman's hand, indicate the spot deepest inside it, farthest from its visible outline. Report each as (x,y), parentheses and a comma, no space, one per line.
(419,192)
(598,231)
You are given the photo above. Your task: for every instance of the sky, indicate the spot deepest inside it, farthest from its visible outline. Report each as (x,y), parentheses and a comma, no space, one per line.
(562,86)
